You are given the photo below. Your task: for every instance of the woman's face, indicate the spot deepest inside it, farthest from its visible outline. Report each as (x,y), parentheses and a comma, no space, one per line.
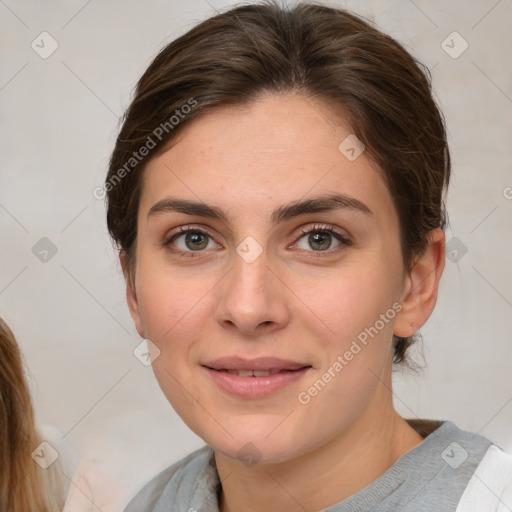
(293,265)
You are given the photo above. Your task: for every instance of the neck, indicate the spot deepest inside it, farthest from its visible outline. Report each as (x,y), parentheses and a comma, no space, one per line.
(340,468)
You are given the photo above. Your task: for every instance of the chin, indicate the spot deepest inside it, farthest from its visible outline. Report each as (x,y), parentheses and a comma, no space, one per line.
(252,442)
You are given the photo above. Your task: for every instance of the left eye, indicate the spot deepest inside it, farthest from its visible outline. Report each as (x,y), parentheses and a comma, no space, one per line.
(321,240)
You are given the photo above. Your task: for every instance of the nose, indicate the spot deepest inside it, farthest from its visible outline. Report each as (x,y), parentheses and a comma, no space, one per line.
(253,299)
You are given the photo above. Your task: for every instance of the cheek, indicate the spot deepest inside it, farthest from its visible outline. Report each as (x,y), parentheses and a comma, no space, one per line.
(173,317)
(357,307)
(171,305)
(349,301)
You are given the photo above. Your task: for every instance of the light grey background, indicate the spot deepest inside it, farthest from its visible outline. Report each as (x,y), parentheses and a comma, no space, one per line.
(59,122)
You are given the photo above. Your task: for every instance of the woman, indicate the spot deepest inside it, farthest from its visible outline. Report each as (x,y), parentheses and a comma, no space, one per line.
(276,193)
(30,479)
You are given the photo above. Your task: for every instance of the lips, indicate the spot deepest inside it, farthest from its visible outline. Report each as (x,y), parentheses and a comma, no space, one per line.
(254,378)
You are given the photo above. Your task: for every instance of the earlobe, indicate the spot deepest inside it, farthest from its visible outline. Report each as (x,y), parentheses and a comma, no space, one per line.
(421,287)
(131,294)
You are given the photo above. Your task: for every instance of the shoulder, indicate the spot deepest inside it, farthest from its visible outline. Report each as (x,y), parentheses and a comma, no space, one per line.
(490,487)
(148,497)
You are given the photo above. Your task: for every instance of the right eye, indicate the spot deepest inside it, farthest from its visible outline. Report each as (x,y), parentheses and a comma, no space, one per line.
(189,240)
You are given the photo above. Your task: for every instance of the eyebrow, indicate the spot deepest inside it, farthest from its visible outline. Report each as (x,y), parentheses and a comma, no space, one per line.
(325,203)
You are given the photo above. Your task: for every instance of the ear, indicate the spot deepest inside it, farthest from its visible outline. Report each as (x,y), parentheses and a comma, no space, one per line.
(421,286)
(131,294)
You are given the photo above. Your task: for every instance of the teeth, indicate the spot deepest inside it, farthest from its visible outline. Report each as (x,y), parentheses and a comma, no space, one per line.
(252,373)
(261,373)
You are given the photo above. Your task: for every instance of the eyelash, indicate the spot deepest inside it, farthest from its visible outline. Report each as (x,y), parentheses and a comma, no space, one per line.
(317,228)
(326,228)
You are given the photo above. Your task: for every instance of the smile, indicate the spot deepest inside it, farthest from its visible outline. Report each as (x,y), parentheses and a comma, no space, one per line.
(254,378)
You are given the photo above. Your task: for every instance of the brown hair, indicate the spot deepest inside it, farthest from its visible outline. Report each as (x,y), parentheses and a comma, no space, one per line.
(320,52)
(24,485)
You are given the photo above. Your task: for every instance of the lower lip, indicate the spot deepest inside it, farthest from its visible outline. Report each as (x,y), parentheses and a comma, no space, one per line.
(255,387)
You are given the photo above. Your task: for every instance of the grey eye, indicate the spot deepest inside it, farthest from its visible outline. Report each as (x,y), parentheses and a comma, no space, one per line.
(193,241)
(318,241)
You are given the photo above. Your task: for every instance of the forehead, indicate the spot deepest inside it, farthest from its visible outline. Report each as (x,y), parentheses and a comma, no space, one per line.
(276,149)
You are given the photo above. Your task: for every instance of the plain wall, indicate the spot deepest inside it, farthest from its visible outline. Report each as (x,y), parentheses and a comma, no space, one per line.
(59,123)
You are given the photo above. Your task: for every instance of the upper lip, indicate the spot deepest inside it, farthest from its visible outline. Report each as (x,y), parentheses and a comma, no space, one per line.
(260,363)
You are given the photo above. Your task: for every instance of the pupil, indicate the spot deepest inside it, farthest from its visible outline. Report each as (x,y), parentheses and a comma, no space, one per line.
(320,241)
(196,241)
